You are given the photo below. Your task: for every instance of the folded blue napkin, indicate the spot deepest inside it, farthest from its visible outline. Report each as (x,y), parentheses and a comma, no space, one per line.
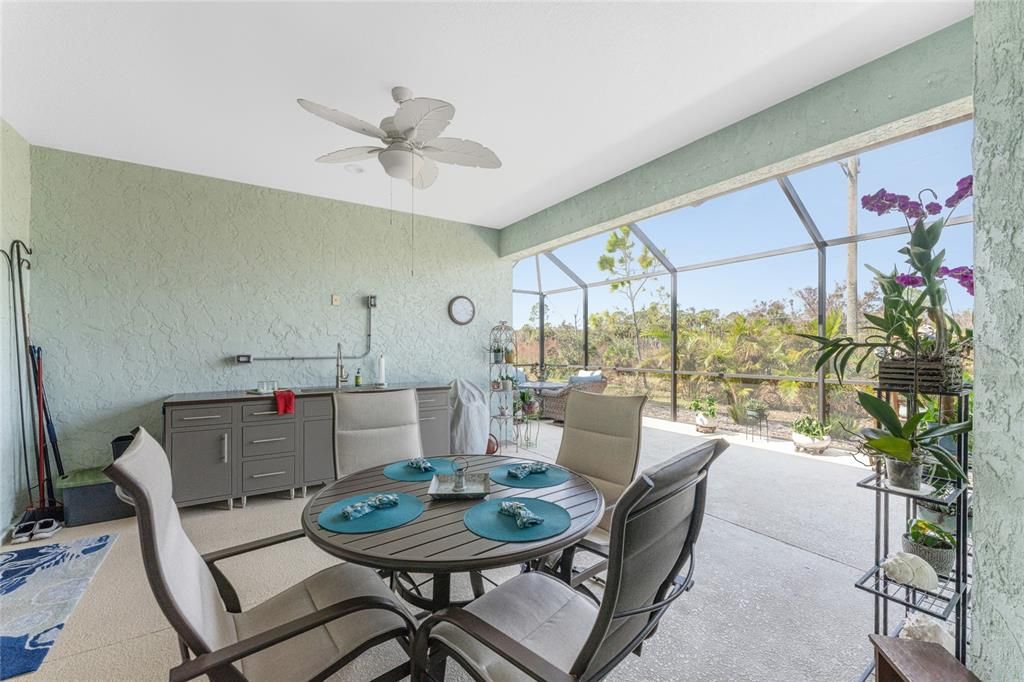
(357,509)
(526,468)
(523,516)
(420,464)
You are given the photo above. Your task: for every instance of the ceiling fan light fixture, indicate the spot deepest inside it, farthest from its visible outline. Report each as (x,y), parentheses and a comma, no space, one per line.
(401,162)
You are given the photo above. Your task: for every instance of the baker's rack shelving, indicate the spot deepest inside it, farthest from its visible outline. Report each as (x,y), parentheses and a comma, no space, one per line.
(950,602)
(501,356)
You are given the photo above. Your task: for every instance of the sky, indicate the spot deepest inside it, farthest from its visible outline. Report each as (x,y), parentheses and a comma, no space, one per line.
(759,218)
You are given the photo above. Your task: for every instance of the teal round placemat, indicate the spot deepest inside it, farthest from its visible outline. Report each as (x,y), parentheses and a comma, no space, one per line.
(400,472)
(409,507)
(553,476)
(485,521)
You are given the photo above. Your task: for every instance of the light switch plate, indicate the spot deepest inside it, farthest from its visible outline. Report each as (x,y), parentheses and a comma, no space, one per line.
(335,299)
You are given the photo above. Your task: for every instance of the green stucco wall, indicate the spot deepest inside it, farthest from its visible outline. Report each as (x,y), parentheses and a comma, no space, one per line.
(146,280)
(998,639)
(926,74)
(15,208)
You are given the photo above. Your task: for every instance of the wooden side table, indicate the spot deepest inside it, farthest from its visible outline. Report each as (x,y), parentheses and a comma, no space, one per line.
(908,660)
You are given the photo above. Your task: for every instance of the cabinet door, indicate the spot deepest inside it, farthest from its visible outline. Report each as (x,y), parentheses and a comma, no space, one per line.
(201,464)
(435,432)
(318,450)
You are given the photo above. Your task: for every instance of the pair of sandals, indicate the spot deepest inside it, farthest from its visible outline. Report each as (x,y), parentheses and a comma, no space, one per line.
(35,530)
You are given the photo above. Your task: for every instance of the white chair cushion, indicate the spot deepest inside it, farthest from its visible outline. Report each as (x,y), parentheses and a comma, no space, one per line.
(537,610)
(303,657)
(375,428)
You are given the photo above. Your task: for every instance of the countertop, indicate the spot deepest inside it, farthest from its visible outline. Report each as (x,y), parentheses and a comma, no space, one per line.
(300,392)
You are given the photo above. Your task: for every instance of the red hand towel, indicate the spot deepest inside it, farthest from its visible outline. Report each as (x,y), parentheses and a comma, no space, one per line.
(285,402)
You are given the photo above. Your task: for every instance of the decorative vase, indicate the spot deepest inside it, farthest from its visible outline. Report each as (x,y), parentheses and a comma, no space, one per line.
(706,424)
(940,558)
(906,475)
(808,444)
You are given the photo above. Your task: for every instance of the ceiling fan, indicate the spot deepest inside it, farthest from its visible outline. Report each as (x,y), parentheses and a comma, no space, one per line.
(411,136)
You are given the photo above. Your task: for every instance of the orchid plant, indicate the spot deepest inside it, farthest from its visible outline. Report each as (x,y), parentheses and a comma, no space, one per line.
(914,322)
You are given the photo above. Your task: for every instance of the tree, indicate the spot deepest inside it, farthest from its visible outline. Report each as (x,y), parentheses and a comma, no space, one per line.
(620,260)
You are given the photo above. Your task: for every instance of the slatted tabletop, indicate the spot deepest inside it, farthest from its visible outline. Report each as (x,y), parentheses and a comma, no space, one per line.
(438,541)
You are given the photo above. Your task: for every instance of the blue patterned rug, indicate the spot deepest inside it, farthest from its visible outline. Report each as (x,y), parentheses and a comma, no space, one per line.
(39,588)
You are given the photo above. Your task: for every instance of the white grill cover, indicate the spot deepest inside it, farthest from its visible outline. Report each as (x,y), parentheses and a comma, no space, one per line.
(470,418)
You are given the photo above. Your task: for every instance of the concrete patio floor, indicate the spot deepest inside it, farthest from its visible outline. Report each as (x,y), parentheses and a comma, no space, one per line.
(784,538)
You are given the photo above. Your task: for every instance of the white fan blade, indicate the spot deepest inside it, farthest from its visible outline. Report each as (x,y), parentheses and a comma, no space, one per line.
(341,118)
(461,153)
(422,119)
(350,154)
(428,173)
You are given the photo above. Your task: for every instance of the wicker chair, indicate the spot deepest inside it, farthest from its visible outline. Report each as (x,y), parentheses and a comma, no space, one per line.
(553,399)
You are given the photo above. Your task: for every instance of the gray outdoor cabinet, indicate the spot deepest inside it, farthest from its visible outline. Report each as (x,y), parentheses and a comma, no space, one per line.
(229,445)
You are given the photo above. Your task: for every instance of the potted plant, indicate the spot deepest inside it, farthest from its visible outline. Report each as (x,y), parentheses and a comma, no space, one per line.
(507,382)
(706,408)
(919,344)
(497,354)
(757,409)
(496,384)
(528,402)
(810,435)
(932,543)
(907,446)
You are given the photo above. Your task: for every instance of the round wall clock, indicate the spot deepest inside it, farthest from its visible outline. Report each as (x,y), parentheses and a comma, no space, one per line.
(461,310)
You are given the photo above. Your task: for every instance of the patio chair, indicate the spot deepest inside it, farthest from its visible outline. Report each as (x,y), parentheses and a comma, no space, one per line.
(601,441)
(377,427)
(307,632)
(534,626)
(553,400)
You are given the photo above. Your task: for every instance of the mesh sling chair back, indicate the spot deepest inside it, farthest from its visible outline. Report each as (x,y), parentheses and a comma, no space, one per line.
(307,632)
(601,441)
(537,627)
(375,427)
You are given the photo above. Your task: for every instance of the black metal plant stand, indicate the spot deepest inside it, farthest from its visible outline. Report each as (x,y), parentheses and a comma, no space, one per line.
(951,600)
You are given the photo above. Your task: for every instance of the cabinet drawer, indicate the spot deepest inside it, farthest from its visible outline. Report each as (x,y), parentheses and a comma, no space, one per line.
(210,415)
(317,407)
(268,439)
(263,410)
(432,400)
(274,472)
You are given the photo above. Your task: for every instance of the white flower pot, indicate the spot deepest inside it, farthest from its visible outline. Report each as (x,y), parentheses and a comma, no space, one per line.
(706,424)
(808,444)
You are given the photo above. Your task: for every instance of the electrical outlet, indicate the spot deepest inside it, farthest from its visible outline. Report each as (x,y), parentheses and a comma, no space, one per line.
(335,299)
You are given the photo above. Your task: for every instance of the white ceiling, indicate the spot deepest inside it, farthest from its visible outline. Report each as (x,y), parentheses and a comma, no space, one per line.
(568,95)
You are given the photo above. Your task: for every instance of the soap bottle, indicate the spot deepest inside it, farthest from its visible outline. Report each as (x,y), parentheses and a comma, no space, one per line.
(359,377)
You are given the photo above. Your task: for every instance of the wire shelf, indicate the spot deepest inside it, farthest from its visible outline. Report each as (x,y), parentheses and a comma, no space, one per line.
(939,603)
(946,495)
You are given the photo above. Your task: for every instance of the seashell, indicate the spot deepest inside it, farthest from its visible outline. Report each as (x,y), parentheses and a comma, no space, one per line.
(910,569)
(924,628)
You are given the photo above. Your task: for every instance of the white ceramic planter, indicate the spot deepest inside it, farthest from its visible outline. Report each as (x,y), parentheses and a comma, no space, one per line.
(706,424)
(808,444)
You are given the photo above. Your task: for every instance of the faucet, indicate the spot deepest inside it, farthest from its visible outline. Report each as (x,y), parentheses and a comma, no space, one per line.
(341,378)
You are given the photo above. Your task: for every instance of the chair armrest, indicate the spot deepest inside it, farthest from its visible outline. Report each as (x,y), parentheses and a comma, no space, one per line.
(494,639)
(206,663)
(217,555)
(227,591)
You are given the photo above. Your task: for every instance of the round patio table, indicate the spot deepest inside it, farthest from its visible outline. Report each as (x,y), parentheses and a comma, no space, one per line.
(438,542)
